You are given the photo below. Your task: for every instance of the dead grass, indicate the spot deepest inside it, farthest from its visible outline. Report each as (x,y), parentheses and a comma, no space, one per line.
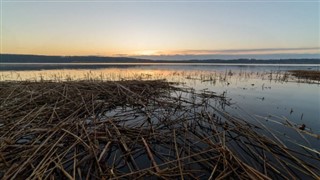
(306,74)
(135,129)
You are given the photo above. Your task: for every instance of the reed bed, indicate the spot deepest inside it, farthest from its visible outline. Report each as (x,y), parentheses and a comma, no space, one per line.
(306,74)
(137,129)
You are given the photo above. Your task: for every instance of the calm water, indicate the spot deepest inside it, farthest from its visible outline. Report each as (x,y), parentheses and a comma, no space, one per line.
(256,91)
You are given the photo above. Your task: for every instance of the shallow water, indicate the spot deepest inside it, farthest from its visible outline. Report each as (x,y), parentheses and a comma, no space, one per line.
(264,95)
(255,90)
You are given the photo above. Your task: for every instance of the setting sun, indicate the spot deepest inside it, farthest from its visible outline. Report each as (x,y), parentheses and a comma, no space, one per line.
(146,53)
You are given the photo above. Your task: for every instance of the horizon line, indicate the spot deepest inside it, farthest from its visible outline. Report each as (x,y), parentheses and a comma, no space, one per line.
(189,57)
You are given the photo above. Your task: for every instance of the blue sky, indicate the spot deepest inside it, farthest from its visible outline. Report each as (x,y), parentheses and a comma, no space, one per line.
(161,28)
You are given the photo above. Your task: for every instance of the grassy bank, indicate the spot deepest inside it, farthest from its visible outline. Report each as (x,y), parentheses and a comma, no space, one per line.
(138,129)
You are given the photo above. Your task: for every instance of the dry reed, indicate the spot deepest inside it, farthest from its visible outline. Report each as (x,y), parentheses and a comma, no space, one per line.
(135,129)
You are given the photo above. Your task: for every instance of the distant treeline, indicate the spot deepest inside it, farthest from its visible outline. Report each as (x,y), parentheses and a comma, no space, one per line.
(268,61)
(13,58)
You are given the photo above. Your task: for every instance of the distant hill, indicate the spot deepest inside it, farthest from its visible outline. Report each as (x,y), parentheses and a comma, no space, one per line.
(15,58)
(255,61)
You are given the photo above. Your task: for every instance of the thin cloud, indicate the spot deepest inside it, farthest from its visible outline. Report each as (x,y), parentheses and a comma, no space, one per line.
(245,51)
(233,56)
(120,55)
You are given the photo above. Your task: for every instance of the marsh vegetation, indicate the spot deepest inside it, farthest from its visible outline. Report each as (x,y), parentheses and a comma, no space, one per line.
(143,124)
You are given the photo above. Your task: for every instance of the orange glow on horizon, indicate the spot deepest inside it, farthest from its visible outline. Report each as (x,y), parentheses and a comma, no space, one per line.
(65,51)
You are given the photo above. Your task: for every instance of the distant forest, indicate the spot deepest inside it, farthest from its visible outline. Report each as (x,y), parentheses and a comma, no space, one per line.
(13,58)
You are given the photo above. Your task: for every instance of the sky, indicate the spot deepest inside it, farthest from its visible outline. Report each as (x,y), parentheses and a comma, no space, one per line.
(161,29)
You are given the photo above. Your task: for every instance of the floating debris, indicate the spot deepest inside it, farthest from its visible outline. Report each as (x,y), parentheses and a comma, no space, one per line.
(302,127)
(291,111)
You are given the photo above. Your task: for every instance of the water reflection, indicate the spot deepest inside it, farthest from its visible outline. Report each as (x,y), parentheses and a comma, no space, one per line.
(264,96)
(259,90)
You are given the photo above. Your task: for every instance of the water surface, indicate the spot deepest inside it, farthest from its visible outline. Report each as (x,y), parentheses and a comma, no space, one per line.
(255,90)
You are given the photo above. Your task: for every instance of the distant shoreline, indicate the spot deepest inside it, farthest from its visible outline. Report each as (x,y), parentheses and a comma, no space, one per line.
(14,58)
(55,66)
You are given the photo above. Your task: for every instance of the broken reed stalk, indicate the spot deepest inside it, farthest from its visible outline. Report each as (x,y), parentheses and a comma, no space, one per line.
(135,129)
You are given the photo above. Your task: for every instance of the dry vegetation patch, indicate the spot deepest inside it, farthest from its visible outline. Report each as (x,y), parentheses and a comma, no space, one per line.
(135,129)
(306,74)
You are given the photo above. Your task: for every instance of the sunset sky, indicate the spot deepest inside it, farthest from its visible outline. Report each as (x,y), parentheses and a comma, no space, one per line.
(161,28)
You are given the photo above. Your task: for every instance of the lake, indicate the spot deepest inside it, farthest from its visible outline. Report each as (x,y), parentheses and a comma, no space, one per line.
(257,89)
(262,94)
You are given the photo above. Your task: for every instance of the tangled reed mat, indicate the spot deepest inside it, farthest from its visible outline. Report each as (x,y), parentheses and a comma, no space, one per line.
(138,129)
